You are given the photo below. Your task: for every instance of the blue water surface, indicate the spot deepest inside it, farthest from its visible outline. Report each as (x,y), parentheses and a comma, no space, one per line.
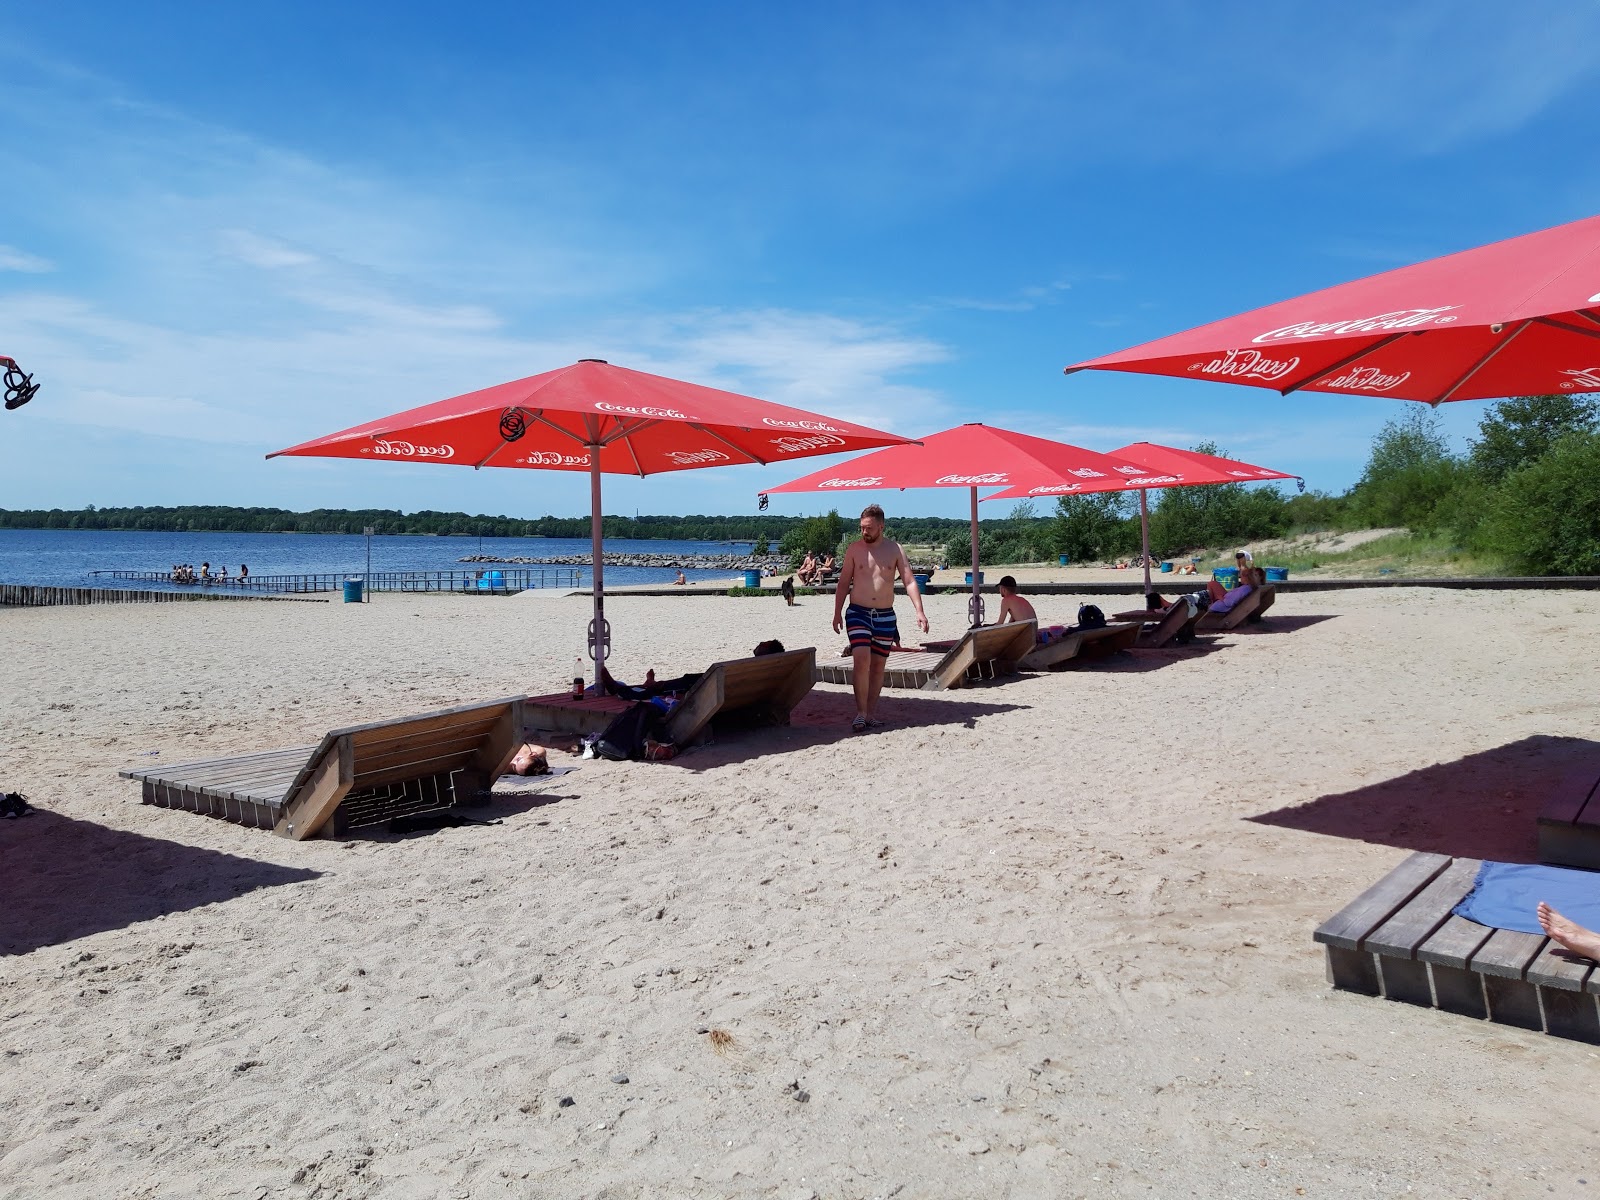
(69,557)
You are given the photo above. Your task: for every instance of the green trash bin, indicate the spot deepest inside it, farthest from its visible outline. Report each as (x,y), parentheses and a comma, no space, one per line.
(352,591)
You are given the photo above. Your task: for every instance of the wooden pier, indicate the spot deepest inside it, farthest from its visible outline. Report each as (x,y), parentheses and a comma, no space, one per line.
(487,581)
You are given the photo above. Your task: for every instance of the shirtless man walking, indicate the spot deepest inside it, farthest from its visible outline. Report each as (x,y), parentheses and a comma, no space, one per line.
(867,577)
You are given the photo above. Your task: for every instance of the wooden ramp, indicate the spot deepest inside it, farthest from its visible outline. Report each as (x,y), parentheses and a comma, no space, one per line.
(1569,825)
(983,653)
(1400,940)
(359,775)
(1081,645)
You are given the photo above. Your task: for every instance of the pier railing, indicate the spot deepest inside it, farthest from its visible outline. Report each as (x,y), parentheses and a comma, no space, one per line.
(499,581)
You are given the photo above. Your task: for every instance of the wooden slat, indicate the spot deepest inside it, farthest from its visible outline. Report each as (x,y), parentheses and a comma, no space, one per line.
(1507,953)
(560,713)
(476,718)
(181,769)
(1555,968)
(773,682)
(1417,921)
(1055,654)
(1163,631)
(1351,924)
(421,722)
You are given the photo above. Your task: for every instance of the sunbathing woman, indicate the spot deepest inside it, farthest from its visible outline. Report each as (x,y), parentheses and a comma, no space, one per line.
(1570,934)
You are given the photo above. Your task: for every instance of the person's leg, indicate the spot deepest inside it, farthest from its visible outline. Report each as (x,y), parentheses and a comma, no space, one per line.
(1569,933)
(862,659)
(875,686)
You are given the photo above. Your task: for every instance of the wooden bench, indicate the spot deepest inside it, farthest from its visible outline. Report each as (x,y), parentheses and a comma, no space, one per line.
(1399,939)
(1569,825)
(359,775)
(983,653)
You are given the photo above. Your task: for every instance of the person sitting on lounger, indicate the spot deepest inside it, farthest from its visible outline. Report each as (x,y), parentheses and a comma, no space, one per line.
(807,574)
(1569,934)
(829,566)
(1013,607)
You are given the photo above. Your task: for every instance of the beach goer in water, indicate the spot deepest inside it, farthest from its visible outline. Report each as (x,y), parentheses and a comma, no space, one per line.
(222,572)
(867,578)
(1570,934)
(1013,607)
(205,572)
(244,571)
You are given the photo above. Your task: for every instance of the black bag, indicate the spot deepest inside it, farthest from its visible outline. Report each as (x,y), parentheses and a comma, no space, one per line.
(624,737)
(1090,617)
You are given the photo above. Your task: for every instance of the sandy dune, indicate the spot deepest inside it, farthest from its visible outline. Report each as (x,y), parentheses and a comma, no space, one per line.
(1049,938)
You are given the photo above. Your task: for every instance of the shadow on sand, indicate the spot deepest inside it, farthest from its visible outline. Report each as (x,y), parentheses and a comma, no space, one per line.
(1481,806)
(823,718)
(1273,623)
(66,879)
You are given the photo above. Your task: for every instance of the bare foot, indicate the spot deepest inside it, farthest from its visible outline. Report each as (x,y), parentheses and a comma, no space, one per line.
(1569,934)
(650,677)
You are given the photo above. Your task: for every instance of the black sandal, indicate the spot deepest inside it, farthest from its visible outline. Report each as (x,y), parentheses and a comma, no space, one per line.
(13,805)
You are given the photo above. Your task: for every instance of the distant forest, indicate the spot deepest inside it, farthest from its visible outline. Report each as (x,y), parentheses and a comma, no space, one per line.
(206,518)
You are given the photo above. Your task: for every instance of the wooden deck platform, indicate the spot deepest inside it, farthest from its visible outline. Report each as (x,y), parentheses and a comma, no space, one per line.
(1400,940)
(248,789)
(1569,825)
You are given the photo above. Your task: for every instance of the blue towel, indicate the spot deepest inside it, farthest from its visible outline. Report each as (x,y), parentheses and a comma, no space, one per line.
(1505,896)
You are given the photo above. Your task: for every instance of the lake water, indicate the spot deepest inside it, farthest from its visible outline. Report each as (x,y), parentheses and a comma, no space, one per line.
(66,557)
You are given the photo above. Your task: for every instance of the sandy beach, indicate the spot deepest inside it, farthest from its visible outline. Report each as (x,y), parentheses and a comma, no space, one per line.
(1049,937)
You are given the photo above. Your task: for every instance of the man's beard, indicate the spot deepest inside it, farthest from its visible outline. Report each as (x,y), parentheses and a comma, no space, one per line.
(869,538)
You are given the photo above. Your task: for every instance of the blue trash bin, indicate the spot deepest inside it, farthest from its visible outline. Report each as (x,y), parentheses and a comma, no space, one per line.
(922,581)
(1277,574)
(968,580)
(352,591)
(1228,577)
(1166,568)
(1065,561)
(752,579)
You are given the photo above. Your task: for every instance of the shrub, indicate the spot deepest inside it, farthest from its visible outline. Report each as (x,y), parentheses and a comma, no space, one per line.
(1545,518)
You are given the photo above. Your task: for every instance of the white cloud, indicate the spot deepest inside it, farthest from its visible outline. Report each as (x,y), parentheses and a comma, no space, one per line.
(12,259)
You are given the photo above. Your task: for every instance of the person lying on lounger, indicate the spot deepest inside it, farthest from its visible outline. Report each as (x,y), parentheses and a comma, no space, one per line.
(1569,934)
(530,760)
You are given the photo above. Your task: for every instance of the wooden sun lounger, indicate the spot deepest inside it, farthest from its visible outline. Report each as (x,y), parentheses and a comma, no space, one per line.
(1569,825)
(766,688)
(1399,940)
(1213,622)
(1082,645)
(982,653)
(359,775)
(1161,627)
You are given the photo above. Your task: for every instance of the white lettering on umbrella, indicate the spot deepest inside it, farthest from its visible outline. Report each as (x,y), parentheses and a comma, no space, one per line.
(642,411)
(1400,318)
(398,449)
(689,457)
(821,426)
(975,480)
(796,445)
(553,458)
(1152,480)
(864,481)
(1583,377)
(1366,379)
(1054,489)
(1247,364)
(1085,473)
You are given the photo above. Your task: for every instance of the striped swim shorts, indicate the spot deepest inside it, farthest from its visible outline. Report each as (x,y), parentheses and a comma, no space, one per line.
(871,629)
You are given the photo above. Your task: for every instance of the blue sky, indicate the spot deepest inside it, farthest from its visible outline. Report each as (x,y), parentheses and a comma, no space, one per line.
(226,229)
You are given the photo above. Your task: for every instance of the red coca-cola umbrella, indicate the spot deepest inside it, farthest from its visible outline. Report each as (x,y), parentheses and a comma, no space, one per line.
(1166,466)
(596,418)
(974,456)
(1519,316)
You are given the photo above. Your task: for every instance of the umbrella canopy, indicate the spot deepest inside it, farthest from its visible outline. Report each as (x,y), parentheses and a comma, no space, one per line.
(1167,466)
(1515,317)
(974,456)
(596,418)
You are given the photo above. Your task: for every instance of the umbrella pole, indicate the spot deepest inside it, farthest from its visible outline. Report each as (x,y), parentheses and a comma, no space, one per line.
(975,605)
(599,632)
(1144,533)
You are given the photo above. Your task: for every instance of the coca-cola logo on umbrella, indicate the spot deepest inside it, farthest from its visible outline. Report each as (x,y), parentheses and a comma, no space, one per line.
(1581,377)
(553,458)
(1400,318)
(1246,364)
(864,481)
(975,480)
(1366,379)
(645,410)
(398,449)
(820,426)
(798,445)
(690,457)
